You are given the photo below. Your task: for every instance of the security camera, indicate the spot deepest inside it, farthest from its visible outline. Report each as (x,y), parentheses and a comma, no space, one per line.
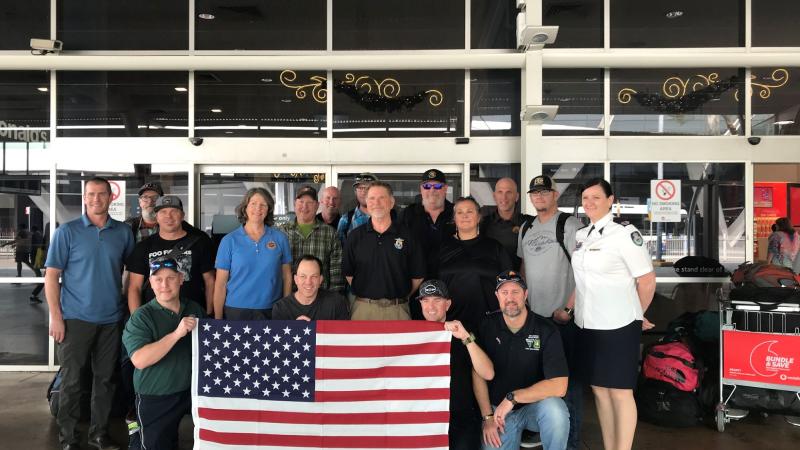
(534,37)
(196,141)
(754,140)
(538,113)
(45,46)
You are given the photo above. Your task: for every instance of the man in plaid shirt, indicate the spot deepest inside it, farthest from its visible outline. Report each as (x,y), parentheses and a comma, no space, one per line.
(310,236)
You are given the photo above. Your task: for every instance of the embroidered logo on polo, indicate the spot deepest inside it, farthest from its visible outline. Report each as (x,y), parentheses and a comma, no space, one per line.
(398,243)
(272,245)
(637,238)
(533,342)
(515,229)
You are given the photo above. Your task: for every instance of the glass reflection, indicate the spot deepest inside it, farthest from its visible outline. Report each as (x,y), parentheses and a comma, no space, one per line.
(579,96)
(23,326)
(495,102)
(23,20)
(25,106)
(775,101)
(493,24)
(580,22)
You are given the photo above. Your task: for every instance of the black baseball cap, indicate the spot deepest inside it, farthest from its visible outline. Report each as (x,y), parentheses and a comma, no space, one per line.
(541,183)
(510,275)
(168,201)
(433,288)
(306,190)
(434,175)
(155,187)
(163,263)
(364,177)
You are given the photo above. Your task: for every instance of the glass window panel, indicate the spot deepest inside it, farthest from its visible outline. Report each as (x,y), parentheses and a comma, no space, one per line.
(123,179)
(399,103)
(398,24)
(713,215)
(221,193)
(22,20)
(579,96)
(24,106)
(23,328)
(495,102)
(122,104)
(123,24)
(681,23)
(698,102)
(483,177)
(570,178)
(776,101)
(260,25)
(774,24)
(24,217)
(580,22)
(268,104)
(405,187)
(493,24)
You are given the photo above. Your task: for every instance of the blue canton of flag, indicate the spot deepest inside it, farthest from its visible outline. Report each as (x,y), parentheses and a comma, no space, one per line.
(257,360)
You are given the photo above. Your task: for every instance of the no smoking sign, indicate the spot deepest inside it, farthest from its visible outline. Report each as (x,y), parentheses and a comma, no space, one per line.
(665,200)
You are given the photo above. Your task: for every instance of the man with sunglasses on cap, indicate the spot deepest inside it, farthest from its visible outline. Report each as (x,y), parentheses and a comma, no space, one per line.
(145,224)
(158,342)
(431,220)
(466,359)
(357,216)
(530,373)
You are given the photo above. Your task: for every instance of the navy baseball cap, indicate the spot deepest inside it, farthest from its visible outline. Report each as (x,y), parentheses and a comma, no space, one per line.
(510,275)
(434,175)
(163,263)
(155,187)
(433,288)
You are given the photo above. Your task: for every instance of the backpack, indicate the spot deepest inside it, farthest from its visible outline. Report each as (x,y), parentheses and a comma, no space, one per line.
(560,224)
(662,404)
(673,363)
(764,275)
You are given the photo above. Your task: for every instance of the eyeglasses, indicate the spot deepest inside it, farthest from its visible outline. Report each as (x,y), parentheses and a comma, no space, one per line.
(362,187)
(541,193)
(429,186)
(151,198)
(155,266)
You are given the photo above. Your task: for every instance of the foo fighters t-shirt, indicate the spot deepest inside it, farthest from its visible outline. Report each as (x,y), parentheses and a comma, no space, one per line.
(193,262)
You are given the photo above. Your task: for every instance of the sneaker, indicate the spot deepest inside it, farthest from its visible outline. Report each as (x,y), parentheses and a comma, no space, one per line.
(35,299)
(530,439)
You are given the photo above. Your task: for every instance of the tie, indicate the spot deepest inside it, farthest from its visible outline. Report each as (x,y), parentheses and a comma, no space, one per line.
(590,231)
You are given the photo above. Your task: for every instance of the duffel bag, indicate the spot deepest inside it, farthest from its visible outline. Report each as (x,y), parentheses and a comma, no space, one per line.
(662,404)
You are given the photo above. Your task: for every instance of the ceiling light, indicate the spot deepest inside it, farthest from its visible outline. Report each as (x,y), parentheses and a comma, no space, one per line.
(784,122)
(286,100)
(42,89)
(266,80)
(674,14)
(216,110)
(181,89)
(590,79)
(206,16)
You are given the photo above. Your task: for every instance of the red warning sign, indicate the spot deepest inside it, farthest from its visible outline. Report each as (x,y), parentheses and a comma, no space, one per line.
(115,190)
(665,190)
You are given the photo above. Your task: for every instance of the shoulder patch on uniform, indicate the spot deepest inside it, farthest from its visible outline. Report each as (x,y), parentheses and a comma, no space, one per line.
(637,239)
(620,221)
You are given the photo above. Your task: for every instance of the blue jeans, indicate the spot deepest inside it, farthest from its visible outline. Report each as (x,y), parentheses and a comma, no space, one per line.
(549,417)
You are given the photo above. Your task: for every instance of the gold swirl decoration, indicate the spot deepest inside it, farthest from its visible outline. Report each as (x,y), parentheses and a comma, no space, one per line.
(435,97)
(389,87)
(675,87)
(777,79)
(318,92)
(625,95)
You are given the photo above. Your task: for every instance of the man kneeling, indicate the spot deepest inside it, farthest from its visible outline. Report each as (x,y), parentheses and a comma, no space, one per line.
(161,351)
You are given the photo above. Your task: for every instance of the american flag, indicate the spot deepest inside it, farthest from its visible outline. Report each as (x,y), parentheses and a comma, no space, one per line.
(325,384)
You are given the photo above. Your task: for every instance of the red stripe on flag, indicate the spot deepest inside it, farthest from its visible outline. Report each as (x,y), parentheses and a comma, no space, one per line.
(238,415)
(382,372)
(372,351)
(376,326)
(382,395)
(438,440)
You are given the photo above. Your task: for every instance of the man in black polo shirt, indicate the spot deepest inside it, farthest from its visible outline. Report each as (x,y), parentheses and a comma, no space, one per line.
(309,302)
(502,222)
(530,373)
(382,261)
(431,220)
(465,356)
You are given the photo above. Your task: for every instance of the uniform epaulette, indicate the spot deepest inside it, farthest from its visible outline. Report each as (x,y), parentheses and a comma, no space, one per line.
(620,221)
(585,226)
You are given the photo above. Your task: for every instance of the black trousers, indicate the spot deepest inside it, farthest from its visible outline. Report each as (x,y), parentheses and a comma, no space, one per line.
(465,432)
(87,343)
(159,418)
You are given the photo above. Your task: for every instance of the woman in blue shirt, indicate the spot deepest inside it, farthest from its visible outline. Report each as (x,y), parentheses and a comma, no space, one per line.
(253,262)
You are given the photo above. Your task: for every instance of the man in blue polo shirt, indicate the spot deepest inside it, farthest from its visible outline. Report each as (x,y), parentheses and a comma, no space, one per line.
(86,309)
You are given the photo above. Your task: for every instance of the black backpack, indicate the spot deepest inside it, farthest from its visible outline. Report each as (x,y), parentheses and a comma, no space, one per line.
(663,404)
(560,224)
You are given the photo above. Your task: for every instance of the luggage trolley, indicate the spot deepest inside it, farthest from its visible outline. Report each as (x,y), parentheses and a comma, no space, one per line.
(759,347)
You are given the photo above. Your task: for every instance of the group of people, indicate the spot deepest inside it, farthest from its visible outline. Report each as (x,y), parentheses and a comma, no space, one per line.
(538,306)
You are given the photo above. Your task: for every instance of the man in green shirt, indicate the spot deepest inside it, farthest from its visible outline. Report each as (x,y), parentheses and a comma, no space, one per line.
(156,336)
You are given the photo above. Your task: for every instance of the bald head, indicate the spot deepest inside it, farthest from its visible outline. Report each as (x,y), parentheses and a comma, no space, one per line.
(505,195)
(330,198)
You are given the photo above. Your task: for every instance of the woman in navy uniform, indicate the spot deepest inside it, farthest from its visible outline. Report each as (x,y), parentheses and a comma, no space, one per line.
(614,284)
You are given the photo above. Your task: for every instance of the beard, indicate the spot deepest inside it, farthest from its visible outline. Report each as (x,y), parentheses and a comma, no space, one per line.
(149,214)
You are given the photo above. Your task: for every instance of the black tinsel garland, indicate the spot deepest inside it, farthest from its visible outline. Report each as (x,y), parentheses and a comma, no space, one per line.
(685,103)
(379,103)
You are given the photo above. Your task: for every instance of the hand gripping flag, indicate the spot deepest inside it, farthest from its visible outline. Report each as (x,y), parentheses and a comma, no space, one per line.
(320,385)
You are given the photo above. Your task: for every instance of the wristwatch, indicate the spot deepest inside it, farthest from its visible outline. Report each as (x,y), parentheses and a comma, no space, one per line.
(468,340)
(510,397)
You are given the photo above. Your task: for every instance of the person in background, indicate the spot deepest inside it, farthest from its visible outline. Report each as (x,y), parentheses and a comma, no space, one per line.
(503,222)
(614,285)
(253,262)
(330,198)
(357,216)
(468,264)
(145,224)
(783,245)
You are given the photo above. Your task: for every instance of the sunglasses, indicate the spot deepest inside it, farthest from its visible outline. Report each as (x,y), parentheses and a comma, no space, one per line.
(167,263)
(429,186)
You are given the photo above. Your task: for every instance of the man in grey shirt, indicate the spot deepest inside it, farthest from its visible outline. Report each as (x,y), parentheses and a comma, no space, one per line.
(545,246)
